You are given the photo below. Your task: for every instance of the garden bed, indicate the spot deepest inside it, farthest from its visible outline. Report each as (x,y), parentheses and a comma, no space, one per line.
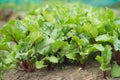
(66,72)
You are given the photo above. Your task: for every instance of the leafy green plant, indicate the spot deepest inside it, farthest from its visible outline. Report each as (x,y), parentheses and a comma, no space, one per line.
(105,59)
(52,33)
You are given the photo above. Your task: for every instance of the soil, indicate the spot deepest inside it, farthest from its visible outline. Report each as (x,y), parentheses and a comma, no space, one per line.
(67,72)
(116,11)
(2,23)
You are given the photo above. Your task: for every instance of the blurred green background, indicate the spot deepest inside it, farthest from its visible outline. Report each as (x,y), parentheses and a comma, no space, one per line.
(18,6)
(91,2)
(32,4)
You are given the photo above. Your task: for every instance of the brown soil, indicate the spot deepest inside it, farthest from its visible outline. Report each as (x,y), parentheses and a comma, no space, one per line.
(2,23)
(68,72)
(116,11)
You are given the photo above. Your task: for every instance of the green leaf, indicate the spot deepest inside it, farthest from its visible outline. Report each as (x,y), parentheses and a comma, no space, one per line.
(71,56)
(117,44)
(25,55)
(91,30)
(59,45)
(110,14)
(1,64)
(40,64)
(35,37)
(107,53)
(115,71)
(4,46)
(99,47)
(10,59)
(99,58)
(49,17)
(104,67)
(105,58)
(30,53)
(104,38)
(52,59)
(80,42)
(12,32)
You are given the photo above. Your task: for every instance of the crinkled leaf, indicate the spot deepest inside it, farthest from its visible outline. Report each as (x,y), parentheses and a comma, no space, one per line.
(40,64)
(30,53)
(99,58)
(80,42)
(59,45)
(117,44)
(12,32)
(91,30)
(115,71)
(52,59)
(4,46)
(104,38)
(99,47)
(105,58)
(71,56)
(35,37)
(107,53)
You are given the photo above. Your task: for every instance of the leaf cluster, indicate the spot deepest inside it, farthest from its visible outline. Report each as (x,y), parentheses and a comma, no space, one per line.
(52,33)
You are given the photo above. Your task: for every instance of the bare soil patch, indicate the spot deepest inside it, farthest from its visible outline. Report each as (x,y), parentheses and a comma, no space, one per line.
(67,72)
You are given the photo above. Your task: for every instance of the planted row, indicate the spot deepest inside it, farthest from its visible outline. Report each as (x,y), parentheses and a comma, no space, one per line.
(53,33)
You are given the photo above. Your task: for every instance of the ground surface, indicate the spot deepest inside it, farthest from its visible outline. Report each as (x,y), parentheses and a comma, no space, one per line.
(68,72)
(2,23)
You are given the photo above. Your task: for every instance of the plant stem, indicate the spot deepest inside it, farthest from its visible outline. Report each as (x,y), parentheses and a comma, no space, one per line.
(104,75)
(56,52)
(49,66)
(26,66)
(117,56)
(83,65)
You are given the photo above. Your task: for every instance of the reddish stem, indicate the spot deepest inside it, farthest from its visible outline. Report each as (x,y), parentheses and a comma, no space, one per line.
(83,65)
(117,57)
(49,66)
(104,75)
(26,66)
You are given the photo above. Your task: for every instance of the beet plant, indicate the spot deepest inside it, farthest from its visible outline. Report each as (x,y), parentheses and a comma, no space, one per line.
(49,35)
